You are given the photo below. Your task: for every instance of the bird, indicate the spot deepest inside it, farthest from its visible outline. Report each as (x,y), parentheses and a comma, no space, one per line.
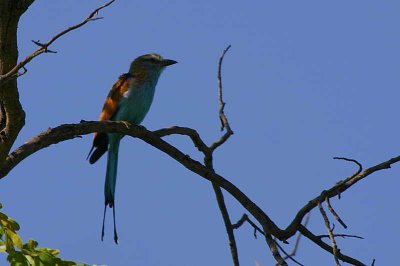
(129,100)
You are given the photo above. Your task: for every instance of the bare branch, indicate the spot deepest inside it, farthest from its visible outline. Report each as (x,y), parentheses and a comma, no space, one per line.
(208,161)
(227,221)
(351,160)
(330,233)
(341,235)
(240,222)
(297,242)
(328,204)
(305,232)
(352,176)
(191,133)
(246,218)
(222,116)
(336,190)
(287,255)
(274,250)
(70,131)
(43,47)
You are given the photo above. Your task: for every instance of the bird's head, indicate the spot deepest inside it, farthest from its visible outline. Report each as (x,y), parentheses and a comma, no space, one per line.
(150,63)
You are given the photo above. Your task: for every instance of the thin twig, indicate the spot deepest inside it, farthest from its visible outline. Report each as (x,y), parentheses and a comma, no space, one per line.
(240,222)
(337,189)
(341,235)
(305,232)
(224,120)
(328,204)
(227,222)
(359,170)
(274,248)
(287,255)
(297,242)
(351,160)
(330,233)
(222,116)
(44,47)
(24,70)
(352,176)
(191,133)
(208,162)
(246,218)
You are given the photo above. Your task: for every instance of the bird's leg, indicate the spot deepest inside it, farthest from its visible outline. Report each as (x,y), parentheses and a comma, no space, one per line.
(126,123)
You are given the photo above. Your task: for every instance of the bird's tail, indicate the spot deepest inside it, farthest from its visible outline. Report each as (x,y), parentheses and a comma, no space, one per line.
(111,179)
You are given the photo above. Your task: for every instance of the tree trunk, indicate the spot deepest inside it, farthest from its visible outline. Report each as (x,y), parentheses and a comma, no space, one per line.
(12,116)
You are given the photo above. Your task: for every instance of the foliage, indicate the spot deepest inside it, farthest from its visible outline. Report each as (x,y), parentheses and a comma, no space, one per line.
(20,254)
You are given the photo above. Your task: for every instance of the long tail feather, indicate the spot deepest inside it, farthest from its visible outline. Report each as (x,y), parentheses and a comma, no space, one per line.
(111,175)
(104,218)
(110,182)
(115,228)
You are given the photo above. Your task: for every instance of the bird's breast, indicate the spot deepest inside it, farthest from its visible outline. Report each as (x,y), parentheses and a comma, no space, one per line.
(136,102)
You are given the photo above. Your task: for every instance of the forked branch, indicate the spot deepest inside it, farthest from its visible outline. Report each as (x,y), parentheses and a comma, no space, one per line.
(44,47)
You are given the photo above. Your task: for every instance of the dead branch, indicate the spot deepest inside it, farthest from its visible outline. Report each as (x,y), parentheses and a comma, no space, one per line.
(44,47)
(305,232)
(269,229)
(330,233)
(208,162)
(341,235)
(336,190)
(70,131)
(297,242)
(222,117)
(334,213)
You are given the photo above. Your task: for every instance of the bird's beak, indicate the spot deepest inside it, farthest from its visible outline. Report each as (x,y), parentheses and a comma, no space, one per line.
(168,62)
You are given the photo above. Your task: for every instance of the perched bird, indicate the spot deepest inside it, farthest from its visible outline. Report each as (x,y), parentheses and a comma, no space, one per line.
(129,100)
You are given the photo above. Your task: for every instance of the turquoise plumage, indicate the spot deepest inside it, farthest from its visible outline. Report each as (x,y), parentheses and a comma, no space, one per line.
(129,100)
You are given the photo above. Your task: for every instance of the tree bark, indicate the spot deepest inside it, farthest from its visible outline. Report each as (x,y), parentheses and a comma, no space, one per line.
(12,116)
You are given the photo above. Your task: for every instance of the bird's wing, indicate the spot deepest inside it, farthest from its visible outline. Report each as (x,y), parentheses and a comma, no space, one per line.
(113,99)
(110,107)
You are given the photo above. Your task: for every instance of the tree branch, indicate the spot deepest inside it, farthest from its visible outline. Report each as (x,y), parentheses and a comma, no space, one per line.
(12,114)
(335,191)
(44,47)
(340,235)
(208,161)
(297,242)
(222,116)
(335,250)
(305,232)
(334,213)
(70,131)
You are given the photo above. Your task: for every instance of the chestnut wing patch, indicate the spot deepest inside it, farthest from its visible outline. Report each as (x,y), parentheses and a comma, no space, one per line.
(110,107)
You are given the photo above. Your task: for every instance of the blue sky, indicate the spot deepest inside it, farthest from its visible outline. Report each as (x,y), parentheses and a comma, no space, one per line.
(304,81)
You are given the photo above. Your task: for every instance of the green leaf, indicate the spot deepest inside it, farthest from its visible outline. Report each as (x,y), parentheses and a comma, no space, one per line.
(15,239)
(3,216)
(17,259)
(3,247)
(29,259)
(26,254)
(13,224)
(31,245)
